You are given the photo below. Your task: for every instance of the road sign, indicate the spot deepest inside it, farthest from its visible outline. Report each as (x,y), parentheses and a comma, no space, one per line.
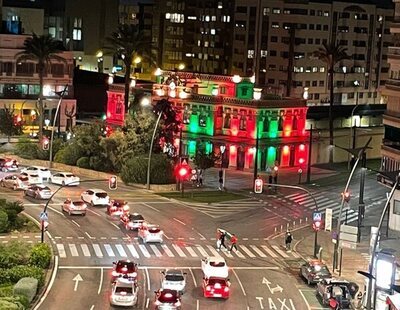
(317,216)
(184,160)
(347,245)
(43,216)
(328,219)
(348,236)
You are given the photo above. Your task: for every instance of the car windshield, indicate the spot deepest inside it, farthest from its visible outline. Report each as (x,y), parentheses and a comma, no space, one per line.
(168,297)
(123,289)
(34,175)
(101,195)
(44,169)
(154,230)
(118,203)
(23,179)
(45,188)
(321,269)
(69,175)
(136,217)
(213,281)
(217,264)
(79,203)
(125,267)
(174,277)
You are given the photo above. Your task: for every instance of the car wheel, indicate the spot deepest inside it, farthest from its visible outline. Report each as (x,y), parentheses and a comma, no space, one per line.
(63,183)
(2,184)
(4,169)
(92,203)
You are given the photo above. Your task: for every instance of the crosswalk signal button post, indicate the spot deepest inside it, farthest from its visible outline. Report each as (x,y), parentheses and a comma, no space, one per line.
(316,225)
(112,182)
(346,196)
(258,186)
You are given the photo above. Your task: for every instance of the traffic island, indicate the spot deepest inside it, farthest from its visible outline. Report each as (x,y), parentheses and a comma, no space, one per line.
(204,196)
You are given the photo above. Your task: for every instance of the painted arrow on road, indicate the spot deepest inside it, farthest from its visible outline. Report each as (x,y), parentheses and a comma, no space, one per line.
(77,279)
(273,290)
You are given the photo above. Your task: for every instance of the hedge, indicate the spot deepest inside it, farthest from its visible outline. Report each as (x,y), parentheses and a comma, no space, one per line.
(40,255)
(13,254)
(26,287)
(11,303)
(3,221)
(14,274)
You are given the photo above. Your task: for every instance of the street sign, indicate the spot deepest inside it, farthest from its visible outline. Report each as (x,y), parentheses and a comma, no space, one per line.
(348,236)
(347,245)
(43,216)
(328,219)
(317,216)
(184,160)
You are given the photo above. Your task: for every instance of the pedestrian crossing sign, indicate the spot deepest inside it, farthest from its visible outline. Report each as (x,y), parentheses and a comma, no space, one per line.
(184,161)
(43,216)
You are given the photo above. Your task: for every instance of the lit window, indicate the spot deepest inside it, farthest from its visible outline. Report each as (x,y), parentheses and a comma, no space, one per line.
(314,69)
(192,18)
(250,54)
(219,4)
(200,56)
(207,18)
(212,31)
(264,53)
(326,13)
(322,69)
(77,34)
(167,15)
(275,25)
(198,43)
(276,11)
(266,11)
(213,18)
(205,43)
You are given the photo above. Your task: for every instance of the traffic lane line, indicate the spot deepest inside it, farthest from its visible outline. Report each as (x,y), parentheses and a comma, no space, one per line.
(240,282)
(151,207)
(179,221)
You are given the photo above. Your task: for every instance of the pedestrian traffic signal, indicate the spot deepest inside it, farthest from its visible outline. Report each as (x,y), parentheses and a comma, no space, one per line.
(183,172)
(112,182)
(346,196)
(317,225)
(258,186)
(45,144)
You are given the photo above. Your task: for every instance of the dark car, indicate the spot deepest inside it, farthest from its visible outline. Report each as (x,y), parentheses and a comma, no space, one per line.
(132,221)
(167,299)
(117,207)
(8,164)
(314,271)
(335,289)
(125,269)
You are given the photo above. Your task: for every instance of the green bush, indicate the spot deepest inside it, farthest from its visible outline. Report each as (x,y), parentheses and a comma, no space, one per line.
(3,221)
(11,303)
(26,148)
(40,255)
(18,272)
(83,162)
(6,290)
(12,208)
(100,163)
(26,287)
(13,254)
(70,154)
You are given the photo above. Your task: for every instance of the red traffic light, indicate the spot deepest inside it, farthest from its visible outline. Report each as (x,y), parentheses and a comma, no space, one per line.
(183,172)
(317,225)
(276,168)
(112,182)
(45,144)
(301,161)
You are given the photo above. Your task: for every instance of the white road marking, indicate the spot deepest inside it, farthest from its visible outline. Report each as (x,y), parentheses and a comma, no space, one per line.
(53,277)
(178,250)
(212,250)
(133,250)
(97,250)
(155,250)
(61,250)
(247,251)
(75,223)
(144,250)
(191,251)
(197,304)
(94,212)
(240,282)
(72,248)
(227,253)
(121,250)
(202,237)
(167,236)
(115,225)
(193,277)
(148,278)
(109,250)
(239,254)
(269,251)
(92,307)
(147,303)
(167,267)
(85,250)
(147,205)
(101,281)
(179,221)
(90,237)
(167,250)
(282,253)
(56,211)
(305,300)
(255,249)
(201,250)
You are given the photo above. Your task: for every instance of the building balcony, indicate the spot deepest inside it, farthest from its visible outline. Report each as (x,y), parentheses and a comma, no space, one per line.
(393,52)
(391,120)
(393,84)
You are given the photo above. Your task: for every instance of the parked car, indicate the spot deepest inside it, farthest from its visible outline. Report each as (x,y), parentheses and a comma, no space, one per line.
(42,172)
(174,279)
(216,287)
(334,288)
(74,207)
(15,181)
(117,207)
(314,271)
(150,233)
(124,292)
(96,197)
(38,192)
(124,268)
(33,178)
(214,267)
(132,221)
(8,164)
(65,178)
(167,299)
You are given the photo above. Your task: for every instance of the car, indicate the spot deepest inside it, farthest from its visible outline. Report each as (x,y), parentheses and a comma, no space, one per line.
(74,207)
(8,164)
(65,178)
(33,178)
(95,197)
(214,266)
(117,207)
(38,192)
(132,221)
(42,172)
(167,299)
(173,279)
(15,181)
(216,287)
(124,268)
(334,288)
(124,293)
(150,233)
(314,271)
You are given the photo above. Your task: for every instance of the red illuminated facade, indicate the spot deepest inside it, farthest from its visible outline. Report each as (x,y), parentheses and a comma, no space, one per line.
(115,105)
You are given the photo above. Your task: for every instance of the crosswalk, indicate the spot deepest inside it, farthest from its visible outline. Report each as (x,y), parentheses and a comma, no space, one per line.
(135,250)
(324,202)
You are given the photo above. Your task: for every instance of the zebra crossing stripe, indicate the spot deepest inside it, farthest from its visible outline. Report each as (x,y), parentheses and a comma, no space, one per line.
(167,250)
(85,250)
(283,254)
(109,250)
(247,251)
(73,249)
(178,250)
(240,255)
(121,250)
(97,250)
(201,250)
(227,254)
(155,250)
(295,254)
(191,251)
(61,250)
(213,251)
(269,251)
(133,251)
(255,249)
(144,250)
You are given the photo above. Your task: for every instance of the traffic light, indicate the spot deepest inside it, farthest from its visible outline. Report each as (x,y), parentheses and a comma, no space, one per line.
(112,182)
(45,144)
(346,196)
(316,225)
(258,186)
(183,172)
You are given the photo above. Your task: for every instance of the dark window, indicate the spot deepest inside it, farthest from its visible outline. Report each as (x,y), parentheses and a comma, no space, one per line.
(274,39)
(311,26)
(241,9)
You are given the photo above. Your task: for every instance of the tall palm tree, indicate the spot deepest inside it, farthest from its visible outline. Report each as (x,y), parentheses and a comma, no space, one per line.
(331,53)
(129,42)
(43,50)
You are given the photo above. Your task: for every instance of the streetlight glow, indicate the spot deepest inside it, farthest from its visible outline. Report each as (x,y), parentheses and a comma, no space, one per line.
(236,78)
(137,60)
(181,66)
(158,72)
(145,101)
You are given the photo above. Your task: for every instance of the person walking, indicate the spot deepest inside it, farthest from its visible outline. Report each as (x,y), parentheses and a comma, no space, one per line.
(222,241)
(288,240)
(233,243)
(200,177)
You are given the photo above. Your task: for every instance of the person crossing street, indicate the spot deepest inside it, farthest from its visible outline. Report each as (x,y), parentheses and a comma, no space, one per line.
(233,243)
(221,240)
(288,240)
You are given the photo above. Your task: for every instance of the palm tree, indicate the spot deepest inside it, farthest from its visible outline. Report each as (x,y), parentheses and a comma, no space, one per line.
(43,50)
(127,43)
(331,53)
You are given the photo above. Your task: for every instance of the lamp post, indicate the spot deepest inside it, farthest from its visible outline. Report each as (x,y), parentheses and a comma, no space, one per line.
(222,148)
(255,172)
(352,135)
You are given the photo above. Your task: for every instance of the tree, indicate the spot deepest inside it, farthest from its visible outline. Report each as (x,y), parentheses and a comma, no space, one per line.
(127,43)
(43,50)
(331,53)
(204,160)
(8,124)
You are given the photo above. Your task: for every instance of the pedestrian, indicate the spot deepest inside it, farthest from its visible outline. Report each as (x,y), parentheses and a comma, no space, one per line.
(222,241)
(233,242)
(288,240)
(201,177)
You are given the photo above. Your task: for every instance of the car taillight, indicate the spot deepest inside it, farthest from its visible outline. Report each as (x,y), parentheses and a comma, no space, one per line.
(126,208)
(113,208)
(226,289)
(312,274)
(133,274)
(208,288)
(114,273)
(177,304)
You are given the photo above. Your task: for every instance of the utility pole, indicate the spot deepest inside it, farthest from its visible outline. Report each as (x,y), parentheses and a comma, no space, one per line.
(361,205)
(255,173)
(309,156)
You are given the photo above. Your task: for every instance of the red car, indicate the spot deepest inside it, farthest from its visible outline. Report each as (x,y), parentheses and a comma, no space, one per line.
(216,287)
(126,269)
(118,207)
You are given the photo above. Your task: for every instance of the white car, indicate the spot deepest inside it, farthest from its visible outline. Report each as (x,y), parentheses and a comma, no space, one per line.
(174,279)
(214,267)
(74,207)
(65,178)
(15,182)
(95,197)
(124,292)
(150,233)
(33,178)
(42,172)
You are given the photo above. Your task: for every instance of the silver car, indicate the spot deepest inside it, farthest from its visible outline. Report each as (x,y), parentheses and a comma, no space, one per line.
(74,207)
(38,192)
(124,293)
(173,279)
(15,182)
